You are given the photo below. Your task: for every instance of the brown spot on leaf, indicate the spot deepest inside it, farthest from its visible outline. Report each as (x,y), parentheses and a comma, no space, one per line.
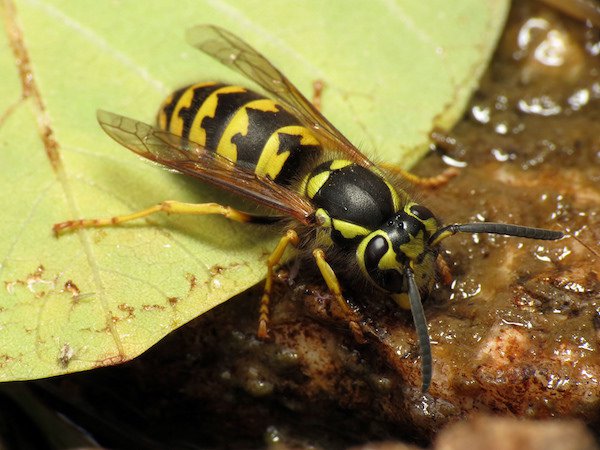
(129,310)
(192,280)
(216,270)
(5,360)
(34,282)
(71,287)
(153,308)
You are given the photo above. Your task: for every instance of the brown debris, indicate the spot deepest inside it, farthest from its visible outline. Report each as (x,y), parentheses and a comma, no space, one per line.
(29,86)
(503,433)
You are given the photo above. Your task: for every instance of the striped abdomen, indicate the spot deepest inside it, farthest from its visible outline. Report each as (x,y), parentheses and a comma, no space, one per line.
(243,126)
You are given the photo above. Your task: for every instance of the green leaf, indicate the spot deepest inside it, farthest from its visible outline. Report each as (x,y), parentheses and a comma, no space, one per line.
(392,70)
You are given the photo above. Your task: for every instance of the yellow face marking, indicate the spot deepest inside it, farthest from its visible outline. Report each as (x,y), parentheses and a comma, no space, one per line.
(415,247)
(272,159)
(315,183)
(349,230)
(339,164)
(388,261)
(239,124)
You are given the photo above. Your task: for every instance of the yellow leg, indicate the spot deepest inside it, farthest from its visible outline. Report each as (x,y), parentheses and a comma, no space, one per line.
(290,237)
(334,286)
(426,182)
(318,86)
(169,207)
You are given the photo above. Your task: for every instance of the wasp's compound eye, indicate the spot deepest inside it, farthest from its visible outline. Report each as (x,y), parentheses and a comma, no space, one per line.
(376,248)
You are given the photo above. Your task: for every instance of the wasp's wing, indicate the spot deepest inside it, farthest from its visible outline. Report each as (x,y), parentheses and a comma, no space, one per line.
(192,159)
(237,54)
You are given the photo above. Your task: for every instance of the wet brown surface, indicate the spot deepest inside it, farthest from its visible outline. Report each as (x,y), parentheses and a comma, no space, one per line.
(516,333)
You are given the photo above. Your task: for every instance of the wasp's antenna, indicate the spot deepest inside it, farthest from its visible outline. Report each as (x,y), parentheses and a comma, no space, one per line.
(495,228)
(595,252)
(416,307)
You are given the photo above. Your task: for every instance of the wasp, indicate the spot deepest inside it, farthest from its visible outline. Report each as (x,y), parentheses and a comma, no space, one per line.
(281,153)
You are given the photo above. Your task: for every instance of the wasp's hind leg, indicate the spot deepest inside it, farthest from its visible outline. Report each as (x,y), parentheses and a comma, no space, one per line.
(334,286)
(169,207)
(425,182)
(318,86)
(441,140)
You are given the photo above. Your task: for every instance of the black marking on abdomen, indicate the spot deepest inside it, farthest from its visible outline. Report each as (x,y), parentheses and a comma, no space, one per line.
(301,157)
(228,104)
(169,108)
(188,113)
(261,126)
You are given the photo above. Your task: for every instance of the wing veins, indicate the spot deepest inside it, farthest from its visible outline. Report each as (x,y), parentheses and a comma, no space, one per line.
(192,159)
(235,53)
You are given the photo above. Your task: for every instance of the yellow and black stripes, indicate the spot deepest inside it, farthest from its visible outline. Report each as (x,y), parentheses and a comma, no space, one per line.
(178,111)
(243,126)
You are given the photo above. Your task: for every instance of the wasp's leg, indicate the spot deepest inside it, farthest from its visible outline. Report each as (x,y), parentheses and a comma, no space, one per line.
(444,271)
(290,238)
(169,207)
(425,182)
(318,86)
(334,286)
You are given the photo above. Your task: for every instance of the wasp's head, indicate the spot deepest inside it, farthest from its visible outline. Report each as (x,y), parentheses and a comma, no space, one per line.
(398,246)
